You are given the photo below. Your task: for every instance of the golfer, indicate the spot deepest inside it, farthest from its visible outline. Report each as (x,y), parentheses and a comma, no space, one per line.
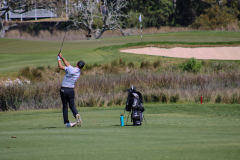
(67,89)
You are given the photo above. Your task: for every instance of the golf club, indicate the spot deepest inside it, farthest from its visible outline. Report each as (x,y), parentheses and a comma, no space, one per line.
(63,39)
(127,118)
(144,119)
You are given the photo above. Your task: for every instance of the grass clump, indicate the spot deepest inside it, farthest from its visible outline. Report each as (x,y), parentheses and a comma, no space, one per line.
(33,74)
(145,64)
(131,64)
(88,67)
(235,98)
(11,97)
(174,98)
(218,99)
(156,64)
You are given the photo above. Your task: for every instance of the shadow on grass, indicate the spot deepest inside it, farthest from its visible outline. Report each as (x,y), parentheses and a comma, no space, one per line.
(126,126)
(45,127)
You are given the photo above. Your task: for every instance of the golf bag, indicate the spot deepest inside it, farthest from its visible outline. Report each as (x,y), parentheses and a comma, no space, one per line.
(135,104)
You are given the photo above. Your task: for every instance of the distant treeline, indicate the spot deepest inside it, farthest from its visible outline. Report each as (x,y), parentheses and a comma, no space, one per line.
(206,14)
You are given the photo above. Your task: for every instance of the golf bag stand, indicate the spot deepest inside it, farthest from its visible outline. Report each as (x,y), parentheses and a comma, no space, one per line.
(134,104)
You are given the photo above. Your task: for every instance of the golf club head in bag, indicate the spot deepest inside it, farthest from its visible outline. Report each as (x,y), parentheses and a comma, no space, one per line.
(135,104)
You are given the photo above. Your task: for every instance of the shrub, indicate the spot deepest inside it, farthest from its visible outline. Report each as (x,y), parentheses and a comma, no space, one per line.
(191,65)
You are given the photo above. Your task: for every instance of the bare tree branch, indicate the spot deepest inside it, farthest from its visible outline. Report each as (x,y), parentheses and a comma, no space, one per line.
(98,18)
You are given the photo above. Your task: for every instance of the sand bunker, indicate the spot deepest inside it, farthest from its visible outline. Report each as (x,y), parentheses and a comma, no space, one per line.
(221,53)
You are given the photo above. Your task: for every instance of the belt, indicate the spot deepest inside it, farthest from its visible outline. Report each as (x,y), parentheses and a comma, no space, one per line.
(67,88)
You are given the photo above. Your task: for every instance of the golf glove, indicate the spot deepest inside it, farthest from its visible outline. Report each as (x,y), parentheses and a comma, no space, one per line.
(58,58)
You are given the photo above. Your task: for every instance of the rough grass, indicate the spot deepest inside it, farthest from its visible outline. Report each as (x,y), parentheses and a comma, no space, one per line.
(105,85)
(172,132)
(109,73)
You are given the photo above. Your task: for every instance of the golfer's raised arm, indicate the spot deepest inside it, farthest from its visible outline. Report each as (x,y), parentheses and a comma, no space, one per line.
(60,66)
(64,61)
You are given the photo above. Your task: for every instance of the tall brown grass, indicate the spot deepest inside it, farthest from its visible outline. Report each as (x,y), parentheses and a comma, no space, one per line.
(215,82)
(57,35)
(81,34)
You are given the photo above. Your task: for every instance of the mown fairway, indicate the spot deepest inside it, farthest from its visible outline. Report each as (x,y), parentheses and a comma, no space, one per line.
(173,131)
(178,131)
(16,54)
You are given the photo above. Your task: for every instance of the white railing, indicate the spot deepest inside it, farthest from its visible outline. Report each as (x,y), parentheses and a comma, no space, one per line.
(35,13)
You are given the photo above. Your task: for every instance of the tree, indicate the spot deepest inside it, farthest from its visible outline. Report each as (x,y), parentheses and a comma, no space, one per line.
(200,6)
(99,17)
(188,10)
(159,12)
(215,17)
(234,5)
(156,13)
(21,6)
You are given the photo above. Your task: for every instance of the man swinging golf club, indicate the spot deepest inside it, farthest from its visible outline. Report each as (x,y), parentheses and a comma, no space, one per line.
(67,89)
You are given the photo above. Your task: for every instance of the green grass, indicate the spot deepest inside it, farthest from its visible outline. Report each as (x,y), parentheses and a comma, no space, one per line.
(16,54)
(178,131)
(173,131)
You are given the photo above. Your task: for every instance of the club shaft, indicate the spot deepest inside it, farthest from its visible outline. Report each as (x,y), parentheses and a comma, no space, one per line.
(145,120)
(63,41)
(127,118)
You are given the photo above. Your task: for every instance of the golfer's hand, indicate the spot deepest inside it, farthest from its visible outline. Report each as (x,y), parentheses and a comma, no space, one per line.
(58,58)
(60,55)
